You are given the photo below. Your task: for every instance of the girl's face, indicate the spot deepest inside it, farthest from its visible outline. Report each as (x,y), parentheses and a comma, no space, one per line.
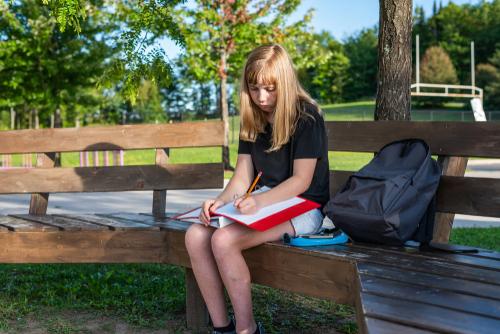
(264,96)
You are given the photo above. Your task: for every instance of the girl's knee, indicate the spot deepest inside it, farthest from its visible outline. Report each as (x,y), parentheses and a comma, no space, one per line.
(197,237)
(222,242)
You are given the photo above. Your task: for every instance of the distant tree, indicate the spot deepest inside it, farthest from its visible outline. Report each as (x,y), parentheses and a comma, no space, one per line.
(456,26)
(45,71)
(488,78)
(325,79)
(148,106)
(394,61)
(436,67)
(361,50)
(143,23)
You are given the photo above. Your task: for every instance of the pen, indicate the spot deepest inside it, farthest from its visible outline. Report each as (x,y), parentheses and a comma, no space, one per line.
(316,236)
(249,191)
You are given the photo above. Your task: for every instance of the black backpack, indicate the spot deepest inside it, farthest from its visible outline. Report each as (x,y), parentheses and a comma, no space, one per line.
(392,199)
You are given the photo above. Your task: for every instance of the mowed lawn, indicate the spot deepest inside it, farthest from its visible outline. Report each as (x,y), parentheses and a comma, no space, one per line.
(150,298)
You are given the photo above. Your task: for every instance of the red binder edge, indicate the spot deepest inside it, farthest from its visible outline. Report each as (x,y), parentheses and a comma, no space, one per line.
(280,216)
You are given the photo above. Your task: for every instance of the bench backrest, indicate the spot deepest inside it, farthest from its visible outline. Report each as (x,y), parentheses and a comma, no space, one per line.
(452,142)
(158,176)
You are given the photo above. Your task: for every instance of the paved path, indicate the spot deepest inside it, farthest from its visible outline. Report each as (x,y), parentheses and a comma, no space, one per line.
(182,200)
(480,168)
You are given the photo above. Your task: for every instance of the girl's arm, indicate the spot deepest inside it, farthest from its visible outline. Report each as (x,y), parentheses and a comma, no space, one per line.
(299,182)
(237,186)
(240,181)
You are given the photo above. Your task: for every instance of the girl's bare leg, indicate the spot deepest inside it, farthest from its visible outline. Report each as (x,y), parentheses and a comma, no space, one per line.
(198,244)
(227,245)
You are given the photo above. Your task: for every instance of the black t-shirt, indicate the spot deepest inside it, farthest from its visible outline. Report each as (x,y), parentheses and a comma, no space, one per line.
(308,141)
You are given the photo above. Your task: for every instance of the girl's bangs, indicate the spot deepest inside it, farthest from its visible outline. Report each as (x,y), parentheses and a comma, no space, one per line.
(261,73)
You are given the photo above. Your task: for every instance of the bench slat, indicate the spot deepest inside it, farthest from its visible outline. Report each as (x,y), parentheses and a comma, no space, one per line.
(110,224)
(3,229)
(86,246)
(463,259)
(477,196)
(444,138)
(428,295)
(121,178)
(163,223)
(119,217)
(413,263)
(21,225)
(171,224)
(469,196)
(425,316)
(62,223)
(377,326)
(119,137)
(477,289)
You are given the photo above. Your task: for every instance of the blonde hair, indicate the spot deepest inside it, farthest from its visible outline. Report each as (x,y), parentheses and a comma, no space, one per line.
(271,65)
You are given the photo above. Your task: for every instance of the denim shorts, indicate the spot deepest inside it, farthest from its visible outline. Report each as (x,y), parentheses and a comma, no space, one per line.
(308,223)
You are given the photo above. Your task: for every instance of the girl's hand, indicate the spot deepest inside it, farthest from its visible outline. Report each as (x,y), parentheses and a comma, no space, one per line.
(247,205)
(208,207)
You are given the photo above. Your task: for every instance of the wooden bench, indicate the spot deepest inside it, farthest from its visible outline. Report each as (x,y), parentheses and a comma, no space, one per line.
(394,289)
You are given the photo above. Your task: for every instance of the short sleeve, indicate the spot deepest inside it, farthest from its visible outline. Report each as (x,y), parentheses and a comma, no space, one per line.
(244,147)
(310,137)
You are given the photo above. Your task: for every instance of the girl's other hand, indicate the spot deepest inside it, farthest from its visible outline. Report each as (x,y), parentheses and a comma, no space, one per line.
(248,205)
(208,207)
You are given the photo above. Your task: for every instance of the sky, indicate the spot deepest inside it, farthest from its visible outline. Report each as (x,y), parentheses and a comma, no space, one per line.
(341,18)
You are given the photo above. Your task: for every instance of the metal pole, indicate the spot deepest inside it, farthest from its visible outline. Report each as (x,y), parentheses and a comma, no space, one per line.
(12,118)
(472,70)
(417,56)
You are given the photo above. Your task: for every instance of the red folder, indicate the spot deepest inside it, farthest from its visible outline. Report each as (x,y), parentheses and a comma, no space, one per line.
(276,218)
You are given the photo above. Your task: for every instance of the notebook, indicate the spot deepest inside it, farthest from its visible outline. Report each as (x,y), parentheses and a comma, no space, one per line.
(262,220)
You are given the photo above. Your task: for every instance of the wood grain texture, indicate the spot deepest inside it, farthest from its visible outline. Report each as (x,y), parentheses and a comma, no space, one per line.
(426,317)
(62,223)
(451,166)
(438,297)
(377,326)
(39,202)
(160,195)
(196,310)
(115,178)
(111,224)
(444,138)
(117,137)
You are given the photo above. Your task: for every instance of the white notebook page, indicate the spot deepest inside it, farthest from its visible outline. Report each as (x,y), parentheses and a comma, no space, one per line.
(229,210)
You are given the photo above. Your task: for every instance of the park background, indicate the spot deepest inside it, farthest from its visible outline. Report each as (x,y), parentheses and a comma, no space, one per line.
(159,61)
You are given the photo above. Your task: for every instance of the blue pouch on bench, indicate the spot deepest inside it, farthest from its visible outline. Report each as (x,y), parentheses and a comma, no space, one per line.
(334,238)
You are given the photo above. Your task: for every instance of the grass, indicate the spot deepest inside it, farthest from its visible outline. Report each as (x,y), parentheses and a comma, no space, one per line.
(144,295)
(488,238)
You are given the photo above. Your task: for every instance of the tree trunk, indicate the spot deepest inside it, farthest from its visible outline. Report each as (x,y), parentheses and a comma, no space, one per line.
(224,111)
(394,61)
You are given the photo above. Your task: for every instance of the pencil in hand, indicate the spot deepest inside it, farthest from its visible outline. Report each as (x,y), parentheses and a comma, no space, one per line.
(254,183)
(249,191)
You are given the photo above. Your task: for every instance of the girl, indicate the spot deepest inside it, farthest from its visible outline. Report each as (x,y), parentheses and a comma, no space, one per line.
(283,135)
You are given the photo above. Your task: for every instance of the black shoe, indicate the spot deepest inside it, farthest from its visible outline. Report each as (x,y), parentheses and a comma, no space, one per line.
(229,329)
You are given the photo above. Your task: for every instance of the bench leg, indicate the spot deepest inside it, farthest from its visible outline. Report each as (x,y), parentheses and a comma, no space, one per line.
(196,311)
